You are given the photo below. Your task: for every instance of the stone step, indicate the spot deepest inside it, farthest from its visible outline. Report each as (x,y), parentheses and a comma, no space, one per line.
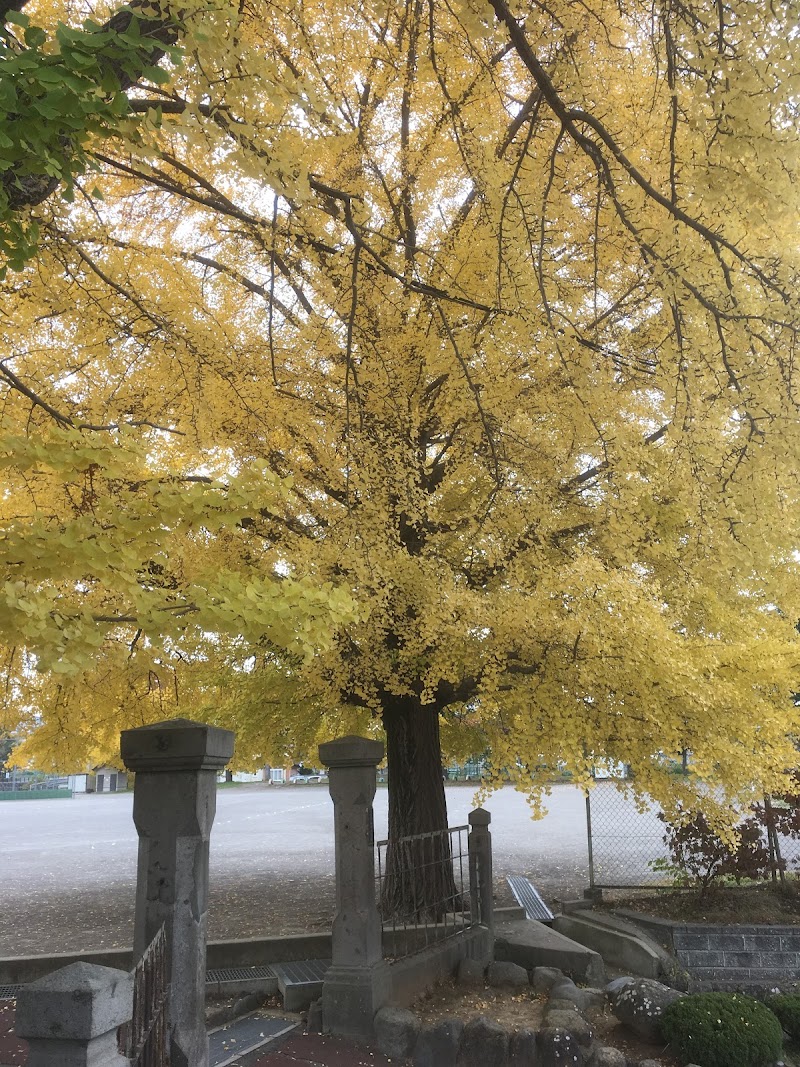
(620,943)
(532,944)
(301,982)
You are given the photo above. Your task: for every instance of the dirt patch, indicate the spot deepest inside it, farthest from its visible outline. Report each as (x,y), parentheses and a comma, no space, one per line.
(523,1009)
(727,904)
(514,1009)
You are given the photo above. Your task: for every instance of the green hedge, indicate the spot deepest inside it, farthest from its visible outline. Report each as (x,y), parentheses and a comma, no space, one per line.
(723,1030)
(787,1007)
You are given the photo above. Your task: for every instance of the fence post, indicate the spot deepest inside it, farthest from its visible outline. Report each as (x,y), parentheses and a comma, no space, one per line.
(357,983)
(174,803)
(480,870)
(70,1017)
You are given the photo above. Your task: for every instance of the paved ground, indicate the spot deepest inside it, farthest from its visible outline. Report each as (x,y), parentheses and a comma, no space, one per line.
(68,870)
(300,1050)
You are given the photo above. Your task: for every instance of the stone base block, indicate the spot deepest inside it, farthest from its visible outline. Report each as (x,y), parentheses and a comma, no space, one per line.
(99,1052)
(351,996)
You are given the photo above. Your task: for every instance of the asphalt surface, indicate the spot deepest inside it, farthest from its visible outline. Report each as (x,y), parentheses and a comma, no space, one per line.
(68,867)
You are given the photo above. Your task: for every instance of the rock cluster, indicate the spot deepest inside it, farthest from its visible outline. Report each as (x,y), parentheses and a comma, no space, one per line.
(565,1037)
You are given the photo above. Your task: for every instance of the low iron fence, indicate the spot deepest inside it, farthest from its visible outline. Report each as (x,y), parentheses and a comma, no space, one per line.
(144,1039)
(428,889)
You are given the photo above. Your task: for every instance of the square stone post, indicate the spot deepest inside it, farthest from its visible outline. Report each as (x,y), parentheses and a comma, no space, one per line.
(357,983)
(70,1017)
(480,870)
(174,803)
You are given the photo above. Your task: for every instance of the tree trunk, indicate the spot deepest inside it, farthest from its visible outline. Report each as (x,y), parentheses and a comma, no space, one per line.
(418,881)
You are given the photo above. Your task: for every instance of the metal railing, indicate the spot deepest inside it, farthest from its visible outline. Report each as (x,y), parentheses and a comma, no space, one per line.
(424,889)
(144,1039)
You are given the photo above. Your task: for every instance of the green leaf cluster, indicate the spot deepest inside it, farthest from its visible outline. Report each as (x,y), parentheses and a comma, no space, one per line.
(56,94)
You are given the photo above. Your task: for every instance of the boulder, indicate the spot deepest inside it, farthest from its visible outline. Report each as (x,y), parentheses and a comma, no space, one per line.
(558,1048)
(483,1044)
(437,1045)
(614,986)
(595,998)
(571,1021)
(247,1003)
(503,975)
(470,973)
(605,1056)
(569,991)
(544,978)
(396,1031)
(522,1049)
(563,1005)
(640,1005)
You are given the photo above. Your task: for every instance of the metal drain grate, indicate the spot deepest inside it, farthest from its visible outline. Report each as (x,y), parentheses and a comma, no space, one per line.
(239,974)
(302,972)
(528,897)
(9,992)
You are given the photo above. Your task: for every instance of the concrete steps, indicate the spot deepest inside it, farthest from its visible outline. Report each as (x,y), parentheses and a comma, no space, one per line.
(620,943)
(532,944)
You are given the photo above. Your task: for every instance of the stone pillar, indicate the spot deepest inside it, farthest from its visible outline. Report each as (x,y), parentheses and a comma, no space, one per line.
(174,802)
(70,1018)
(480,869)
(357,983)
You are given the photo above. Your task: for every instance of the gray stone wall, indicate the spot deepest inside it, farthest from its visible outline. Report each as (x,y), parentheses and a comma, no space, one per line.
(738,954)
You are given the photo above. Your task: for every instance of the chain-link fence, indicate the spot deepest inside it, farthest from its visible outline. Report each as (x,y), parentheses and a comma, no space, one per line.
(782,816)
(628,849)
(626,837)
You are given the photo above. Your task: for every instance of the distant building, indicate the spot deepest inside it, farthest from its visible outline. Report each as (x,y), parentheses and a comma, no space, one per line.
(105,779)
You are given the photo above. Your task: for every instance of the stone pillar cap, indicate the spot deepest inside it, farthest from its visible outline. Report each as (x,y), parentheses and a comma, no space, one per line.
(75,1003)
(351,751)
(176,745)
(479,817)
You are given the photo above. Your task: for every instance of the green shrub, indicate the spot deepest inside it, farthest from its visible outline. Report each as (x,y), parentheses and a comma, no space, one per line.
(723,1030)
(787,1007)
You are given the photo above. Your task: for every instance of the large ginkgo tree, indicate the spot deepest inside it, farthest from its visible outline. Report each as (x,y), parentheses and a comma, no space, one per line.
(417,366)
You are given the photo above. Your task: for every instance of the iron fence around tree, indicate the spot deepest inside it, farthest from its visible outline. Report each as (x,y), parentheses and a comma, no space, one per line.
(627,846)
(430,887)
(144,1039)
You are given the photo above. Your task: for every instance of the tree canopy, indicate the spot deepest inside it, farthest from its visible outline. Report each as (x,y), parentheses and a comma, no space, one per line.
(425,366)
